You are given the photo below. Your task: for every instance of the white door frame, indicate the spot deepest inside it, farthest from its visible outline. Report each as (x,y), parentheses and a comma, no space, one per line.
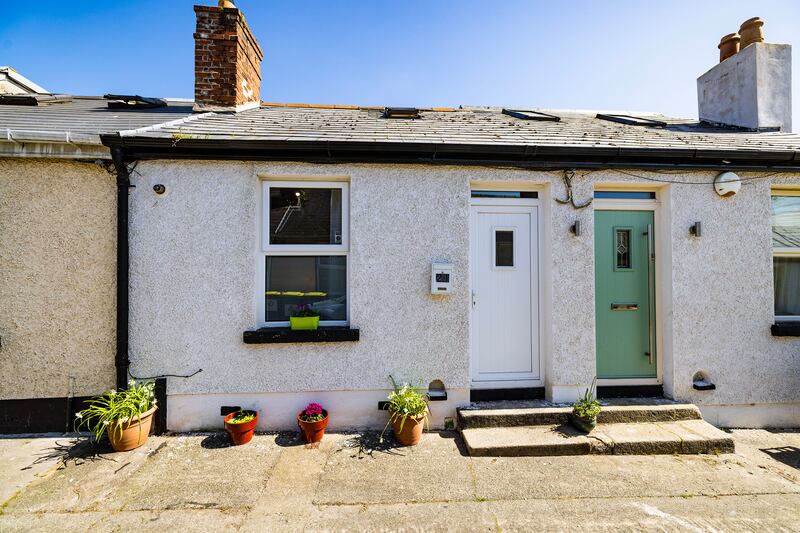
(535,262)
(660,236)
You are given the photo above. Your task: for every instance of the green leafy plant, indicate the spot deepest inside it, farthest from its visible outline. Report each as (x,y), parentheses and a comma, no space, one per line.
(406,402)
(242,416)
(587,407)
(115,408)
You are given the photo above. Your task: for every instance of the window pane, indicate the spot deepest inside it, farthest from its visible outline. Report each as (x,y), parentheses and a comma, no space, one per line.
(623,247)
(504,248)
(787,286)
(320,282)
(300,215)
(786,221)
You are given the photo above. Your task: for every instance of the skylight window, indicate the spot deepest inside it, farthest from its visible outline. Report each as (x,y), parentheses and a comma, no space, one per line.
(34,99)
(133,101)
(631,120)
(531,115)
(400,112)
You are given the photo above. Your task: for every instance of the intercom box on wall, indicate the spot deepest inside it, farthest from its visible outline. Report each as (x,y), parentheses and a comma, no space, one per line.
(441,278)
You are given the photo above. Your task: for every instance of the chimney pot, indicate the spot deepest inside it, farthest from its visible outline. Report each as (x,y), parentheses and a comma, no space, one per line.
(728,46)
(752,31)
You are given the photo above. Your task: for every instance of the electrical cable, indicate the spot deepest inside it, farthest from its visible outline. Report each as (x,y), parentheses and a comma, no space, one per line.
(165,375)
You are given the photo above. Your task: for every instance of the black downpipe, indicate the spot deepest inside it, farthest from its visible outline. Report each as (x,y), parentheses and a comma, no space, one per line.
(123,186)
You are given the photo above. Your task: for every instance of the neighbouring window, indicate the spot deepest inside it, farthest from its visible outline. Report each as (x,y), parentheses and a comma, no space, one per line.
(305,250)
(786,252)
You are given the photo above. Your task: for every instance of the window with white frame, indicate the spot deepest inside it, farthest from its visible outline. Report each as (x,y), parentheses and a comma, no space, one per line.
(305,242)
(786,252)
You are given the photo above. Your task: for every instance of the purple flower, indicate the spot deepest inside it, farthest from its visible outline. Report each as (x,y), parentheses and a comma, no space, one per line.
(313,409)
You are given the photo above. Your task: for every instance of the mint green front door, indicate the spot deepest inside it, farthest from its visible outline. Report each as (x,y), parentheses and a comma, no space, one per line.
(624,294)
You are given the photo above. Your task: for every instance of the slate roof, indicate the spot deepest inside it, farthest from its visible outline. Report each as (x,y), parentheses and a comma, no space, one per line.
(81,120)
(471,126)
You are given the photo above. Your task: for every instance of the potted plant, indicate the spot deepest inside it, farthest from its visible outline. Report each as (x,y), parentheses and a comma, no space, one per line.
(304,318)
(585,410)
(240,426)
(124,415)
(312,421)
(408,413)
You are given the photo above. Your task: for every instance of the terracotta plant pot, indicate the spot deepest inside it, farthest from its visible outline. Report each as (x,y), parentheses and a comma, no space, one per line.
(240,433)
(134,432)
(312,431)
(751,31)
(582,424)
(411,433)
(728,46)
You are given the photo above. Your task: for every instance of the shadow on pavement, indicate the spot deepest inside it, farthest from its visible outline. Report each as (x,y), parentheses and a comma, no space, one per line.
(788,455)
(77,450)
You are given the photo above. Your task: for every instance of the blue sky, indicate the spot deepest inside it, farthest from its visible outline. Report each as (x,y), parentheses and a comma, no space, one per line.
(614,54)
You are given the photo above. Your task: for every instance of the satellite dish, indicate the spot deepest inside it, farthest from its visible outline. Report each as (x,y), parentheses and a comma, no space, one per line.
(727,184)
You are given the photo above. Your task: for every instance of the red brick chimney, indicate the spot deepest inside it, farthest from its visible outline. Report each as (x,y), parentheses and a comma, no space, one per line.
(227,60)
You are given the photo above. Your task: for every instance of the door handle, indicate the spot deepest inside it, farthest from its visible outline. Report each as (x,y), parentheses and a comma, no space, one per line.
(624,307)
(474,299)
(650,293)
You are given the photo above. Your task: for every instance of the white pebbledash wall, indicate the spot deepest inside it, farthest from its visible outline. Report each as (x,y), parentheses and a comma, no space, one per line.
(193,283)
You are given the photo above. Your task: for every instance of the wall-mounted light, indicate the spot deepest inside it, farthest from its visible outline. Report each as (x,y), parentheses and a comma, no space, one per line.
(576,228)
(696,229)
(159,188)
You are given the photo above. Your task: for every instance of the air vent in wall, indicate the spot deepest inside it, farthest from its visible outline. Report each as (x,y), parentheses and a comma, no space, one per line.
(400,112)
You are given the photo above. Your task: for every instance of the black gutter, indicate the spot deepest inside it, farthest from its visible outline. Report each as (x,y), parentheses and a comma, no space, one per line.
(523,156)
(123,185)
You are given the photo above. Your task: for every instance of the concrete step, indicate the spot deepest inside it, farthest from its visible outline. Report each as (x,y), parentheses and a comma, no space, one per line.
(539,412)
(638,438)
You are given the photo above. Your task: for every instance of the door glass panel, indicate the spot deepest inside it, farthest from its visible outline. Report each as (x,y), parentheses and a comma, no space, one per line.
(504,248)
(622,246)
(787,286)
(300,215)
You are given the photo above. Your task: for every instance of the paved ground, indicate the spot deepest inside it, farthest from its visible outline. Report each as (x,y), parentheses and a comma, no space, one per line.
(351,483)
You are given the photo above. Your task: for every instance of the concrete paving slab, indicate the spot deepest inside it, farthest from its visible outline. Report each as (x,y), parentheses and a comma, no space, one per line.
(88,477)
(698,436)
(362,472)
(25,459)
(509,414)
(606,476)
(286,501)
(440,516)
(200,472)
(526,440)
(642,439)
(694,514)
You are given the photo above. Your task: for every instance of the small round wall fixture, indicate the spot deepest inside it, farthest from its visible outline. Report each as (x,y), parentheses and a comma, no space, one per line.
(159,188)
(727,184)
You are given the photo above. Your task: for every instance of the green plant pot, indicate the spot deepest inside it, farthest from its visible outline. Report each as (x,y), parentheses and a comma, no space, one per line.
(581,424)
(304,322)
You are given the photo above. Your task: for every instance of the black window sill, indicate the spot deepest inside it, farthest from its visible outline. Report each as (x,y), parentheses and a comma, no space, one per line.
(786,329)
(287,335)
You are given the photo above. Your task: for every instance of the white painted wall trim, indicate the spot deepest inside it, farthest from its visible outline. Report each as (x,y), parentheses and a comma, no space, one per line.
(754,415)
(278,410)
(565,393)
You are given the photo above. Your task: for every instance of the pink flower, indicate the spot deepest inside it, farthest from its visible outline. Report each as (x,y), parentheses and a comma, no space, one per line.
(313,409)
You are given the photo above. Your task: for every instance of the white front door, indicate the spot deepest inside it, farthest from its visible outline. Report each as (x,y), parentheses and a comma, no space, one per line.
(505,296)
